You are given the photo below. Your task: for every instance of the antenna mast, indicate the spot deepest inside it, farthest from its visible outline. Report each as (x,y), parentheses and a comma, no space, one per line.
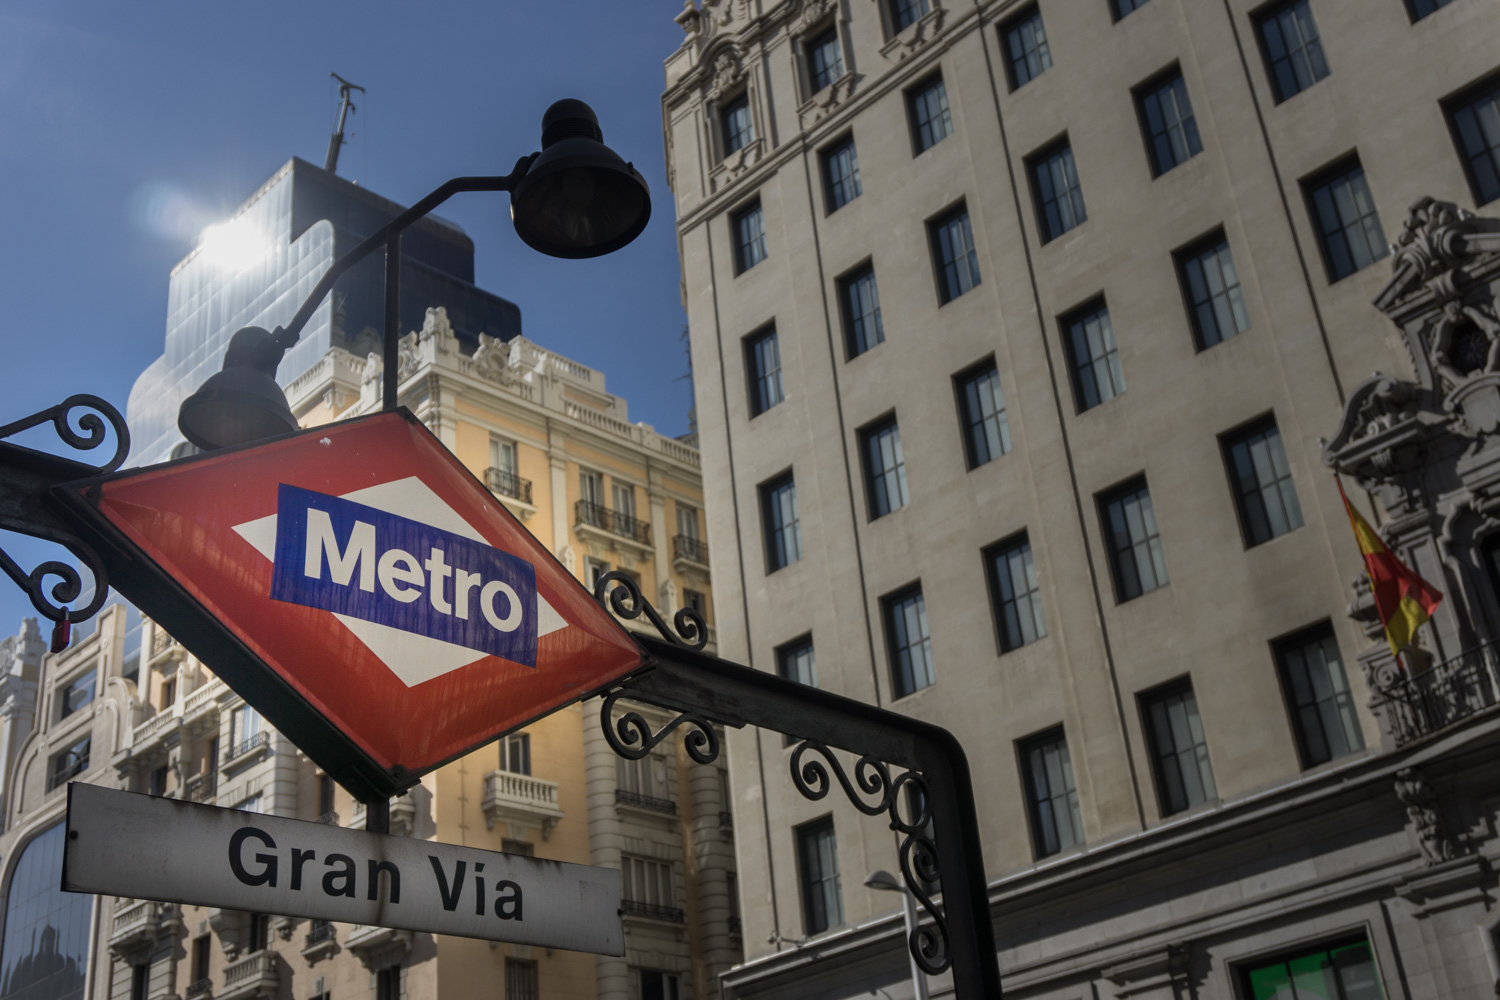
(336,141)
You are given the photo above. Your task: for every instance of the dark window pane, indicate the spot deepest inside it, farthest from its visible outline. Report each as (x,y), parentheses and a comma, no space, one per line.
(739,128)
(1419,9)
(1059,199)
(885,468)
(861,307)
(1016,596)
(1026,51)
(45,954)
(1092,356)
(1167,118)
(841,174)
(931,123)
(982,406)
(818,861)
(1476,126)
(1263,489)
(749,226)
(1289,40)
(763,367)
(1211,285)
(1134,544)
(1317,692)
(908,642)
(1123,7)
(1342,972)
(825,63)
(1179,752)
(905,13)
(1051,796)
(953,252)
(783,532)
(1344,216)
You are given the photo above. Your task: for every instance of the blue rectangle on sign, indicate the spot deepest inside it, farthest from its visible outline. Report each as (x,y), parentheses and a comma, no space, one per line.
(354,560)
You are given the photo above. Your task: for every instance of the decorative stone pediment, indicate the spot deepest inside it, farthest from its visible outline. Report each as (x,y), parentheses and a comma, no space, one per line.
(915,36)
(825,101)
(1379,436)
(814,11)
(739,161)
(1438,241)
(726,73)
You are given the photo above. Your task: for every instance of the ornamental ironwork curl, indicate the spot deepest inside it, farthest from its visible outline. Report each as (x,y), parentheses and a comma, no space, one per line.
(702,742)
(917,853)
(623,596)
(91,430)
(68,587)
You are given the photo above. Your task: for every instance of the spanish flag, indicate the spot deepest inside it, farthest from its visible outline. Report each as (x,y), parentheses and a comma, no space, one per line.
(1403,599)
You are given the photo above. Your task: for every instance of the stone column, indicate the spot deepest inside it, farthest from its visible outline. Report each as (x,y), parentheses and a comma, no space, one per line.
(606,838)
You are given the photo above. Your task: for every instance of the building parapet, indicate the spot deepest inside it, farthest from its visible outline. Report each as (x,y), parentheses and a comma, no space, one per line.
(521,799)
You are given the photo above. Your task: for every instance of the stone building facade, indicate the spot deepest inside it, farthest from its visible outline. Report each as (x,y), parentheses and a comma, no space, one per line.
(1017,330)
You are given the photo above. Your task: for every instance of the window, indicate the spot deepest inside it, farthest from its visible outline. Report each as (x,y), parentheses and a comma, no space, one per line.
(1293,53)
(794,661)
(1026,52)
(244,729)
(201,954)
(778,505)
(1262,482)
(68,764)
(157,781)
(818,865)
(525,848)
(168,694)
(1344,971)
(254,804)
(1051,796)
(749,225)
(927,104)
(1475,120)
(1135,555)
(687,521)
(739,129)
(732,890)
(647,883)
(1345,219)
(885,468)
(1123,7)
(907,641)
(1059,199)
(1179,753)
(824,62)
(593,569)
(860,301)
(905,13)
(259,935)
(503,455)
(1014,593)
(763,366)
(1167,120)
(388,983)
(76,695)
(591,487)
(515,753)
(841,174)
(695,600)
(1317,693)
(953,254)
(1418,9)
(140,980)
(1093,359)
(644,783)
(981,408)
(1211,286)
(45,952)
(653,984)
(624,496)
(521,980)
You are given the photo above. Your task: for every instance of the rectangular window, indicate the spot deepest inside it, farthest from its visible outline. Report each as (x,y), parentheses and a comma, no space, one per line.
(653,984)
(1344,217)
(953,254)
(1289,42)
(624,497)
(1051,796)
(1263,491)
(687,522)
(388,983)
(1093,359)
(1418,9)
(1211,286)
(68,764)
(591,487)
(1135,555)
(825,64)
(1122,7)
(244,728)
(1014,594)
(521,980)
(1345,971)
(778,505)
(860,301)
(645,782)
(927,105)
(818,864)
(168,694)
(763,366)
(1317,693)
(1026,52)
(140,978)
(885,468)
(794,661)
(841,174)
(749,227)
(158,781)
(259,937)
(254,804)
(739,129)
(325,795)
(1475,119)
(1054,185)
(905,13)
(1167,120)
(201,954)
(695,600)
(78,694)
(981,408)
(643,880)
(1179,753)
(515,753)
(593,569)
(503,455)
(907,641)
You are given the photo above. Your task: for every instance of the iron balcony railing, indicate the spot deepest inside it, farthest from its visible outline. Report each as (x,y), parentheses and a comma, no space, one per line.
(248,744)
(672,913)
(726,820)
(68,772)
(622,797)
(320,931)
(161,642)
(199,988)
(329,818)
(690,548)
(203,791)
(508,484)
(586,512)
(736,926)
(1447,692)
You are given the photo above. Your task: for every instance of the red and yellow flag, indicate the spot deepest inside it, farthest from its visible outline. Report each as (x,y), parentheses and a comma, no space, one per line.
(1403,599)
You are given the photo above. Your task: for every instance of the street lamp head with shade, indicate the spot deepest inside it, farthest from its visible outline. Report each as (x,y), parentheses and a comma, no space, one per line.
(578,198)
(242,402)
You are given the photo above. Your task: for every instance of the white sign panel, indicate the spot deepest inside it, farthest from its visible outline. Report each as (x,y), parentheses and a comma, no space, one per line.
(127,844)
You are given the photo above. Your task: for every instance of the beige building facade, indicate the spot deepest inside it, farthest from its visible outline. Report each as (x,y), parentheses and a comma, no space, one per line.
(1016,328)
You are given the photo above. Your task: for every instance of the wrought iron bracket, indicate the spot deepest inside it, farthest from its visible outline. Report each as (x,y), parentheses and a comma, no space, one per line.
(626,600)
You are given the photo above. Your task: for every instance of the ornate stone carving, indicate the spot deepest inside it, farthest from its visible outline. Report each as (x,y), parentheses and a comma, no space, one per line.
(739,161)
(814,11)
(821,104)
(1379,438)
(726,74)
(1422,809)
(914,36)
(1433,244)
(691,22)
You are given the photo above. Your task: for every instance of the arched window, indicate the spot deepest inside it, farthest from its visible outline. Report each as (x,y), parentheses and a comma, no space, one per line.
(45,952)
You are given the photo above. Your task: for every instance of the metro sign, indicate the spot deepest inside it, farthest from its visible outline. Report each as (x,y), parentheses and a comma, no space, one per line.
(360,588)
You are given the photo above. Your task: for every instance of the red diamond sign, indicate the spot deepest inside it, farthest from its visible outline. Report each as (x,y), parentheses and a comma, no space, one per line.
(357,585)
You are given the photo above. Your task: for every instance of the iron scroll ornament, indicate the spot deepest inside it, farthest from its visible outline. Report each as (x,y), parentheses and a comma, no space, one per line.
(91,432)
(626,600)
(918,853)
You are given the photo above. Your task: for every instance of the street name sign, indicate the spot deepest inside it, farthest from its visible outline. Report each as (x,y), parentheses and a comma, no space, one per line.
(269,864)
(359,587)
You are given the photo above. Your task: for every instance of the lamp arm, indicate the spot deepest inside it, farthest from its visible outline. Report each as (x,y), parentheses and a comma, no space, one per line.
(288,335)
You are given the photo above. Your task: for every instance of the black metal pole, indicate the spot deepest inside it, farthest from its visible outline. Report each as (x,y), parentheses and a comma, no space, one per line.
(378,815)
(392,320)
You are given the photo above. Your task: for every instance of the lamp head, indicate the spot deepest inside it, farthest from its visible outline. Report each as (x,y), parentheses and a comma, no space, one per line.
(242,402)
(882,879)
(578,199)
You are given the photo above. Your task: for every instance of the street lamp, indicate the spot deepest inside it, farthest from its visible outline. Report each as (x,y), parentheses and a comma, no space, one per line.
(576,198)
(886,882)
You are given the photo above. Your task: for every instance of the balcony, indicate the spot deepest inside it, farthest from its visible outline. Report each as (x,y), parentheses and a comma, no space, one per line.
(1423,703)
(686,548)
(66,772)
(508,484)
(624,798)
(520,799)
(201,788)
(160,643)
(592,517)
(672,914)
(378,947)
(320,940)
(191,718)
(199,988)
(247,746)
(255,975)
(137,924)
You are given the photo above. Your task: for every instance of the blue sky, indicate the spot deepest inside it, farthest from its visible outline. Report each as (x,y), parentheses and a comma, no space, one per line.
(126,128)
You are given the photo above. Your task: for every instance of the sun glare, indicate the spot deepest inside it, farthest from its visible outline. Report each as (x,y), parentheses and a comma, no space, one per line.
(234,245)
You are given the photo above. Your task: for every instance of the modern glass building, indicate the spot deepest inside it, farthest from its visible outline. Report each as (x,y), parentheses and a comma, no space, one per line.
(256,268)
